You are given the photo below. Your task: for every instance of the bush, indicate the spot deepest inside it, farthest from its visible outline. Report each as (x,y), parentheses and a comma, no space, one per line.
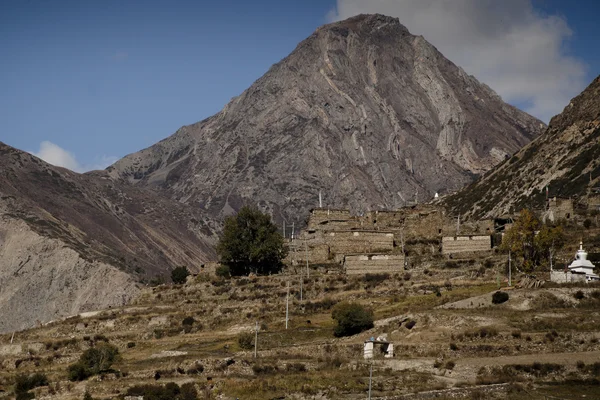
(251,243)
(246,340)
(499,297)
(179,275)
(351,318)
(410,324)
(187,324)
(579,295)
(587,223)
(171,391)
(24,383)
(93,361)
(223,271)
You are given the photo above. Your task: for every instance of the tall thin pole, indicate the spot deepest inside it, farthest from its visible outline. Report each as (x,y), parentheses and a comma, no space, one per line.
(301,282)
(255,339)
(320,200)
(306,249)
(284,228)
(370,379)
(287,305)
(509,270)
(293,230)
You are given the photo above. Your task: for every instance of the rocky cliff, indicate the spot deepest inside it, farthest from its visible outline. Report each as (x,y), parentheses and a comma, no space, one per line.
(363,111)
(564,161)
(71,242)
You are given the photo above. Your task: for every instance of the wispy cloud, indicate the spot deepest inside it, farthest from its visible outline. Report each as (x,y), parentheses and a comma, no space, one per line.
(508,44)
(56,155)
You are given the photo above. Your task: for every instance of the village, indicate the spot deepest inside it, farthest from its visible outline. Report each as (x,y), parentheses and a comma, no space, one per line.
(418,236)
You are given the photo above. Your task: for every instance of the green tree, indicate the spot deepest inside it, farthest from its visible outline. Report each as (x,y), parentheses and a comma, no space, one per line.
(251,243)
(93,361)
(520,238)
(179,275)
(351,318)
(548,241)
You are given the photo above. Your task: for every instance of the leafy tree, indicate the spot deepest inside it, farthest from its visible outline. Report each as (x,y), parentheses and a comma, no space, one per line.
(520,238)
(93,361)
(251,243)
(548,241)
(351,318)
(533,242)
(179,275)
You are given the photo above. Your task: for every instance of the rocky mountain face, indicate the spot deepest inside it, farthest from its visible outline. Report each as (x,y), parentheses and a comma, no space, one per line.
(71,242)
(363,111)
(565,159)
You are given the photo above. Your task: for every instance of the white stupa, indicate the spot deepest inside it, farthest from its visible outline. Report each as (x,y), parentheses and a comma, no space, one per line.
(582,265)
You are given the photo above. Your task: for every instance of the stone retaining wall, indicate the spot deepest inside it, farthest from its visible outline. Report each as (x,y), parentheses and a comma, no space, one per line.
(461,244)
(373,263)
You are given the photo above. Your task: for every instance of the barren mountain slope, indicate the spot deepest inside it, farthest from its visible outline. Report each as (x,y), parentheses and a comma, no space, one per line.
(565,159)
(70,242)
(362,110)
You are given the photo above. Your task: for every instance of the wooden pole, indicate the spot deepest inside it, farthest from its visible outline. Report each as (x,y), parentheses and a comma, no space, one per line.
(287,305)
(255,339)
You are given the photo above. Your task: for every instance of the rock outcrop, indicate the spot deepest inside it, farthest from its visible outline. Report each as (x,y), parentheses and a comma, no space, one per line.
(564,162)
(363,111)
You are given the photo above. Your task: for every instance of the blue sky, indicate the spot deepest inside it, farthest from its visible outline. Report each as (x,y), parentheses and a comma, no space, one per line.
(85,82)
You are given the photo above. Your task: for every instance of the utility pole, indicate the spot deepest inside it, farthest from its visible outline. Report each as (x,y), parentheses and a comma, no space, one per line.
(255,339)
(370,379)
(509,270)
(306,249)
(287,305)
(284,228)
(293,230)
(320,200)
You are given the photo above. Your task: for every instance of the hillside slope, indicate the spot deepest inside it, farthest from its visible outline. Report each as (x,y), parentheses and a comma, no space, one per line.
(565,159)
(363,111)
(70,242)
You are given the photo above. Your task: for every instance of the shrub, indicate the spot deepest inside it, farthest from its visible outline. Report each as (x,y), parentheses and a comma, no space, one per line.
(24,383)
(87,396)
(171,390)
(246,340)
(499,297)
(410,324)
(587,223)
(579,295)
(93,361)
(223,271)
(351,318)
(179,275)
(450,364)
(130,345)
(187,324)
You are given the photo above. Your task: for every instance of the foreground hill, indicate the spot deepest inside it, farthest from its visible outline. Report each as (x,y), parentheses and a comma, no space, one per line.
(565,159)
(450,340)
(362,110)
(71,242)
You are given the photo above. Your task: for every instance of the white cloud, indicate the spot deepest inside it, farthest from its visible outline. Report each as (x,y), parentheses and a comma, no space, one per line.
(56,155)
(509,45)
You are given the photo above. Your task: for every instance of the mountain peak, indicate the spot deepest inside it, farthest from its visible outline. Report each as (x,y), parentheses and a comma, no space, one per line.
(365,24)
(363,111)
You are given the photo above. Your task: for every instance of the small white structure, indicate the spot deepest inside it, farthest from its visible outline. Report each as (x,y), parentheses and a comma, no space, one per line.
(386,347)
(582,265)
(580,270)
